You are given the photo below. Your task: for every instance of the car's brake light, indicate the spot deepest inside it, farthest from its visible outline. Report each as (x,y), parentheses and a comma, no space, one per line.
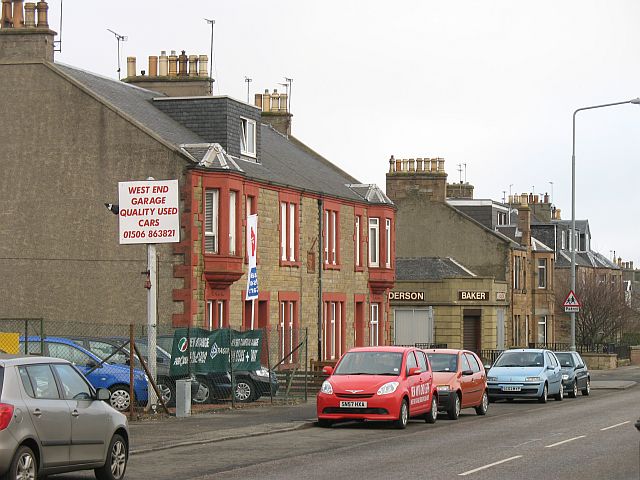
(6,414)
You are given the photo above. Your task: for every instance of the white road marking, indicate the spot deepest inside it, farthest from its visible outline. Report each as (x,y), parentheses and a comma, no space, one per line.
(489,466)
(564,441)
(614,426)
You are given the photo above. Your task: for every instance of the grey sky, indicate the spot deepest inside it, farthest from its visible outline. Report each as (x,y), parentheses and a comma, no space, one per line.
(492,84)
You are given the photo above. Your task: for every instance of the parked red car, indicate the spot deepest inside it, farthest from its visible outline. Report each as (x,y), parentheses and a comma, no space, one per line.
(378,383)
(460,380)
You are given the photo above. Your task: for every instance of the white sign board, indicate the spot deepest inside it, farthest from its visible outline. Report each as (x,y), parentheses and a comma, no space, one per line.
(149,211)
(571,303)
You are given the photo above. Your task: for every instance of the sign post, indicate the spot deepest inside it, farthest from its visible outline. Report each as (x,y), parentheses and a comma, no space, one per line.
(252,273)
(149,213)
(571,303)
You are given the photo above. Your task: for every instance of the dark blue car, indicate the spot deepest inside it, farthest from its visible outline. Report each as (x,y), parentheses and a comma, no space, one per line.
(101,374)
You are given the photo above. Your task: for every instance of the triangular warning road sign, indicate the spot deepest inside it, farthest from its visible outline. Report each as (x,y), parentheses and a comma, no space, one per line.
(571,300)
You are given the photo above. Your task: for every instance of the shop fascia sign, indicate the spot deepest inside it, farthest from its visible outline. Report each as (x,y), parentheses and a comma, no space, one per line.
(473,295)
(406,296)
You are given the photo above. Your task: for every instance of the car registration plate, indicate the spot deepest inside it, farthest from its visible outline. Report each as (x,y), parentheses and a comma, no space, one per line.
(511,388)
(352,404)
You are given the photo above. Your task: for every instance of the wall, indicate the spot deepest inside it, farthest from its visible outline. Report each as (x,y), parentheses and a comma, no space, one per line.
(63,156)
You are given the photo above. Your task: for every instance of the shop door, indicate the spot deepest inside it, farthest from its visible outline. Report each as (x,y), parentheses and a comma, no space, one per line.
(471,333)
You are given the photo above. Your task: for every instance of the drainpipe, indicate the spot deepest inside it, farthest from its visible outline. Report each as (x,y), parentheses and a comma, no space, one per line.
(320,267)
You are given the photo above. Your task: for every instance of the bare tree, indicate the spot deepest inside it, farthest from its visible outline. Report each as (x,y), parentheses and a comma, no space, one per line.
(604,314)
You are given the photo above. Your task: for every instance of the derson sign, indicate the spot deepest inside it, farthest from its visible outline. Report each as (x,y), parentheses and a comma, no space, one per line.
(196,350)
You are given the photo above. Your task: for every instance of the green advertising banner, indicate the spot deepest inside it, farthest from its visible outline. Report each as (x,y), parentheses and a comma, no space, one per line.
(200,351)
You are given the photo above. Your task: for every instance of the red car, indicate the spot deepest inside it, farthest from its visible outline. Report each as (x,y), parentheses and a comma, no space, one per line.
(378,383)
(460,381)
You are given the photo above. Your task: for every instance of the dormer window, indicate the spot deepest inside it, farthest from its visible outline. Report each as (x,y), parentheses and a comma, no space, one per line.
(248,137)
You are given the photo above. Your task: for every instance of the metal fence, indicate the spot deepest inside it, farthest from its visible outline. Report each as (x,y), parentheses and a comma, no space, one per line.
(623,352)
(223,366)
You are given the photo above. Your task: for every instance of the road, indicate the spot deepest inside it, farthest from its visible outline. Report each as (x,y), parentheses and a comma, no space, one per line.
(588,437)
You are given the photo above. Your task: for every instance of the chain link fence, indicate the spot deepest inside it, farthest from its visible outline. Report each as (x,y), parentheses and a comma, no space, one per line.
(220,367)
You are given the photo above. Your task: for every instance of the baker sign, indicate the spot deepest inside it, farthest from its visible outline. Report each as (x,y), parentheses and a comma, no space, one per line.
(149,211)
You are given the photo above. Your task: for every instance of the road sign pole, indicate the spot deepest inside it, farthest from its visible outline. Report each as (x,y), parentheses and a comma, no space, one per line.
(152,315)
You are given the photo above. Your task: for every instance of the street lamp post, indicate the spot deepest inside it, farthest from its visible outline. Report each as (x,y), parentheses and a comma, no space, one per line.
(635,101)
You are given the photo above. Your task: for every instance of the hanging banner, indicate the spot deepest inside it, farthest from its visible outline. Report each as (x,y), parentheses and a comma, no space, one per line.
(252,250)
(200,351)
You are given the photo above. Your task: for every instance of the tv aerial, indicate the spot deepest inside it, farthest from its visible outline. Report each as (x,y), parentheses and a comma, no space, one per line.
(119,38)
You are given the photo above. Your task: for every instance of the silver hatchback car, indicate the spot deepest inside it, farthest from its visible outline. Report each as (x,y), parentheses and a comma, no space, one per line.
(53,421)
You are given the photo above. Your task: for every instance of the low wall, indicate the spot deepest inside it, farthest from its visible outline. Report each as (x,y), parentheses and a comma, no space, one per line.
(600,361)
(635,355)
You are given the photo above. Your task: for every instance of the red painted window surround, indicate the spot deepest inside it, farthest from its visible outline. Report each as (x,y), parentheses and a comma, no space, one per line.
(224,184)
(340,339)
(359,213)
(216,295)
(288,328)
(289,198)
(360,331)
(331,235)
(261,321)
(251,197)
(384,213)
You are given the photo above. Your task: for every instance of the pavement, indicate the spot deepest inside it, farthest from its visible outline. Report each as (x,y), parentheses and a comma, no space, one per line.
(161,432)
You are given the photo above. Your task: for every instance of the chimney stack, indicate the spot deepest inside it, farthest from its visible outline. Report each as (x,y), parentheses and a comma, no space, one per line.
(275,110)
(21,39)
(524,221)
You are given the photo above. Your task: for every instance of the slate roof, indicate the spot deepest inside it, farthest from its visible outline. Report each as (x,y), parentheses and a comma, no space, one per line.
(284,161)
(429,268)
(584,259)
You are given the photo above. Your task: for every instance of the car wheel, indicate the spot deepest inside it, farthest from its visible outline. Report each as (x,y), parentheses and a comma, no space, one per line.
(245,391)
(116,463)
(432,416)
(587,389)
(167,389)
(205,392)
(574,389)
(23,464)
(560,395)
(543,398)
(484,405)
(403,418)
(324,423)
(120,398)
(454,409)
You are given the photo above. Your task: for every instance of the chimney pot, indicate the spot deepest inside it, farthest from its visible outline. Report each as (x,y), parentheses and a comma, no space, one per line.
(173,64)
(131,67)
(203,66)
(7,16)
(18,14)
(193,65)
(43,16)
(153,66)
(182,64)
(258,100)
(30,15)
(164,64)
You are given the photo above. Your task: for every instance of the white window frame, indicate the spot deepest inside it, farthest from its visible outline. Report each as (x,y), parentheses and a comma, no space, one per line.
(542,323)
(374,242)
(326,236)
(282,330)
(374,323)
(563,240)
(357,240)
(388,237)
(209,319)
(233,198)
(211,206)
(542,273)
(248,137)
(334,237)
(292,232)
(283,231)
(332,329)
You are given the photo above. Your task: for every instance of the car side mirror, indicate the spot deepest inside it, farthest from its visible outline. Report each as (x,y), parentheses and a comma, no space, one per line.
(414,371)
(327,370)
(579,366)
(103,394)
(92,364)
(487,366)
(467,372)
(549,367)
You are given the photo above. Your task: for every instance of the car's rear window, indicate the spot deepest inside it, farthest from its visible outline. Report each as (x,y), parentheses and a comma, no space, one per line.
(566,359)
(1,378)
(443,362)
